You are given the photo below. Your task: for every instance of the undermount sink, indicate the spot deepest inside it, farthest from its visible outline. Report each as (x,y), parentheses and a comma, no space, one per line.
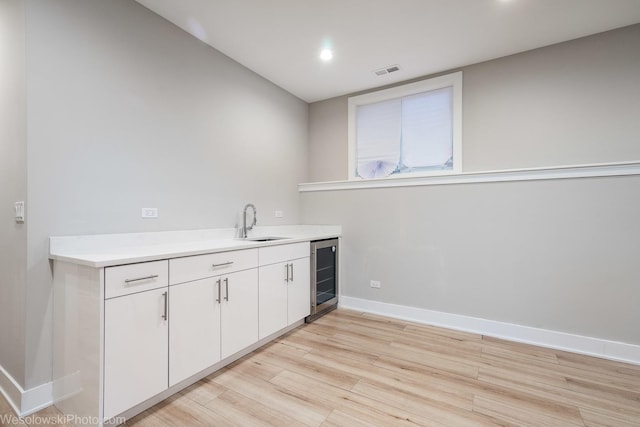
(264,238)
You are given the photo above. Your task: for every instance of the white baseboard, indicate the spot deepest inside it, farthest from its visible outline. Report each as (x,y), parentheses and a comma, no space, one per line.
(612,350)
(24,402)
(11,390)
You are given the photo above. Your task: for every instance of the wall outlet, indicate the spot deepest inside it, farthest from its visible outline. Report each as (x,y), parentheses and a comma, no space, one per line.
(149,213)
(279,214)
(375,284)
(19,207)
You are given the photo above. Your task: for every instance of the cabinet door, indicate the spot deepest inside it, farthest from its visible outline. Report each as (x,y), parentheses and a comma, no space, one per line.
(272,298)
(239,312)
(135,349)
(194,332)
(299,291)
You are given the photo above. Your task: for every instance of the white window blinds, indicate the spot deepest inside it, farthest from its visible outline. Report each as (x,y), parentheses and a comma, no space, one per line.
(427,129)
(378,138)
(406,134)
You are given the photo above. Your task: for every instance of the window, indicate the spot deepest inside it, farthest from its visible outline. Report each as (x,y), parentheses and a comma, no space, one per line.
(409,130)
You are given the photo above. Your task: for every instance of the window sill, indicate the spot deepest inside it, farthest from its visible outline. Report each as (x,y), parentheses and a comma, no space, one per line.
(530,174)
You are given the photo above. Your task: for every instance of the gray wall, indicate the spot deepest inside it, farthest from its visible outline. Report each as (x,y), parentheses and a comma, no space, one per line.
(558,255)
(13,187)
(127,111)
(327,140)
(571,103)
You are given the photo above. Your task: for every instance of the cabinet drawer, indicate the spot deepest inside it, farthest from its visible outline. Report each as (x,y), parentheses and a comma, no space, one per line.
(202,266)
(131,278)
(280,253)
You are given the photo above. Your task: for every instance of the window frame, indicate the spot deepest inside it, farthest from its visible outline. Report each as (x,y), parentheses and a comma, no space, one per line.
(453,80)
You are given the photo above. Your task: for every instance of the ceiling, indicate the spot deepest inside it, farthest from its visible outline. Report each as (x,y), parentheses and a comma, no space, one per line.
(281,39)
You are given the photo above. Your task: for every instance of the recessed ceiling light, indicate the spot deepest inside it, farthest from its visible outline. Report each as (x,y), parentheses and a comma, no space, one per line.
(326,54)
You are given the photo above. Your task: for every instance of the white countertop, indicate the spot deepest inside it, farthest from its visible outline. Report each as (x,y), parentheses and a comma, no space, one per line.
(105,250)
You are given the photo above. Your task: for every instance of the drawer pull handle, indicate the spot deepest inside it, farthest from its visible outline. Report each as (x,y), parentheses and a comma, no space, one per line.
(224,264)
(153,276)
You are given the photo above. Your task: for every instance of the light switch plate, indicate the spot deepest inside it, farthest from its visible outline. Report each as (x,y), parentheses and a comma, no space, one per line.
(375,284)
(19,207)
(279,214)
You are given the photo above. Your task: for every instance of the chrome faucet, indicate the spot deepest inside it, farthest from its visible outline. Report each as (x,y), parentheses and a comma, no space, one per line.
(244,220)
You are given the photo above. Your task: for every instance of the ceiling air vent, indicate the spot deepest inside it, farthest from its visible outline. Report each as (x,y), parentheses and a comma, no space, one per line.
(387,70)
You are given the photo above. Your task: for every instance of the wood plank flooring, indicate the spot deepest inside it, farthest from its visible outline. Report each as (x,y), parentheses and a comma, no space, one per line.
(354,369)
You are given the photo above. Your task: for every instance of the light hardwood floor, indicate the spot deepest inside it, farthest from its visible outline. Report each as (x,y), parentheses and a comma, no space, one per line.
(354,369)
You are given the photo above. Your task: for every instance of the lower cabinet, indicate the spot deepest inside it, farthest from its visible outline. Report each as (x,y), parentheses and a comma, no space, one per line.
(239,311)
(299,291)
(284,288)
(211,319)
(136,332)
(273,298)
(165,321)
(194,335)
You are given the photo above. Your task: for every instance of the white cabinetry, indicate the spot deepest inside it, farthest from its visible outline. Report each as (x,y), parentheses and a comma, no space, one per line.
(212,317)
(284,290)
(299,290)
(128,335)
(239,313)
(135,335)
(194,336)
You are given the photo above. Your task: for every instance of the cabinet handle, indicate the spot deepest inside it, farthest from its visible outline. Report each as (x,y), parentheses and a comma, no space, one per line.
(286,273)
(165,315)
(226,286)
(153,276)
(219,283)
(224,264)
(291,272)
